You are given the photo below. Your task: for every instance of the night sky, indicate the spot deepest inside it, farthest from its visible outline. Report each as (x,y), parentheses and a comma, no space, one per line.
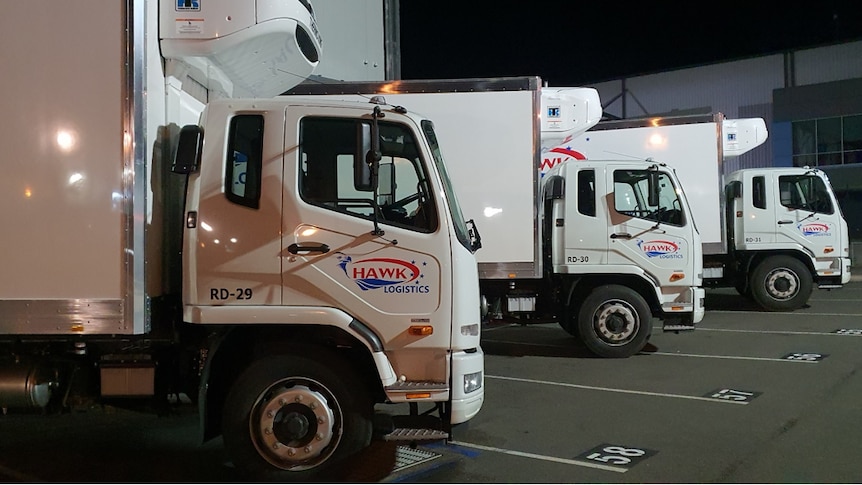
(576,42)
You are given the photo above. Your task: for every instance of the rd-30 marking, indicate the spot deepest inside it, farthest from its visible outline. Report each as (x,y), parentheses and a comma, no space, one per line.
(741,397)
(805,356)
(616,455)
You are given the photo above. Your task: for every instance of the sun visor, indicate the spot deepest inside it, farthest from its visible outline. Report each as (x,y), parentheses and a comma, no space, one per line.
(243,48)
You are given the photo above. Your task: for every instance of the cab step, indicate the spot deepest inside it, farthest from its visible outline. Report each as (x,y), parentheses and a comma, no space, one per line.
(416,434)
(677,327)
(417,386)
(409,428)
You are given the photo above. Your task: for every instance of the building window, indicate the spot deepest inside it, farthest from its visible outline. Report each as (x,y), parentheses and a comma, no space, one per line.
(827,141)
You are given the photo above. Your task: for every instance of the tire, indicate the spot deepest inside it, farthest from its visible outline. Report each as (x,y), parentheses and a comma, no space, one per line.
(294,418)
(614,321)
(781,283)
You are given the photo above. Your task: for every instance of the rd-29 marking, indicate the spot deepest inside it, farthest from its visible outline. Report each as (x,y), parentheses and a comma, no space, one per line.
(616,455)
(226,294)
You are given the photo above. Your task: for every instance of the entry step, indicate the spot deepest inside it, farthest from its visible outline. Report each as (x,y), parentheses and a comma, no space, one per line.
(417,386)
(677,327)
(416,434)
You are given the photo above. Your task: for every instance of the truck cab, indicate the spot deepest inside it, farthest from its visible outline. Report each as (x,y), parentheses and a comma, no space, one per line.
(789,229)
(622,246)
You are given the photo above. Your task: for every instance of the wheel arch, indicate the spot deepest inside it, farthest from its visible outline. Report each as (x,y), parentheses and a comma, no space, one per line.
(577,289)
(232,349)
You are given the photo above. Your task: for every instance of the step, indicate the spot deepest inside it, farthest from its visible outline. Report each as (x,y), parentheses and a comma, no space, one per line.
(417,386)
(415,434)
(677,327)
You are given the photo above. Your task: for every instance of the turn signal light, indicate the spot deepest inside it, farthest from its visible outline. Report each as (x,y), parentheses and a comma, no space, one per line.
(418,395)
(828,249)
(420,330)
(677,276)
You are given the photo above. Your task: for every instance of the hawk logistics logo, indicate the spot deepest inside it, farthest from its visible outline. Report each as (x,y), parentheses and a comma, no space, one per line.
(814,229)
(660,249)
(392,275)
(558,155)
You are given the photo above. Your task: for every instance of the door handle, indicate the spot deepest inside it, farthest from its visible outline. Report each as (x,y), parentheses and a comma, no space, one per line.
(623,235)
(310,248)
(785,221)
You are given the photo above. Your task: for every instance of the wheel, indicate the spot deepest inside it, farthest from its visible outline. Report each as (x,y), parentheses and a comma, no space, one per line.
(293,417)
(781,283)
(614,321)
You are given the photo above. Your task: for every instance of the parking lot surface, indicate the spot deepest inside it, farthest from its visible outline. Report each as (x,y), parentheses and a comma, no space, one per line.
(748,397)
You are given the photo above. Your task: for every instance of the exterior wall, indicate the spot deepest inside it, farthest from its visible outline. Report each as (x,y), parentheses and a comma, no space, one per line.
(740,89)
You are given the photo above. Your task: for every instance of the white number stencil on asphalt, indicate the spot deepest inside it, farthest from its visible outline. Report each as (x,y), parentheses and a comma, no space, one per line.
(616,455)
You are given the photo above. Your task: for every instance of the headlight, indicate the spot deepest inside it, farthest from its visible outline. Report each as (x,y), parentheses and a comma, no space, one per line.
(472,382)
(470,330)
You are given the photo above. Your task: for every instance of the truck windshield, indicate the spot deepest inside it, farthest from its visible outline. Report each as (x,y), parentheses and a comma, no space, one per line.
(805,192)
(461,231)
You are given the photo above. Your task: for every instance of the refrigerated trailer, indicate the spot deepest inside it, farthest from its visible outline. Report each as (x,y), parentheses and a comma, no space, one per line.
(773,233)
(600,248)
(172,227)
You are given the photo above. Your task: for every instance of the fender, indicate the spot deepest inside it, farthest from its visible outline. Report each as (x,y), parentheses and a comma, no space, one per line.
(330,320)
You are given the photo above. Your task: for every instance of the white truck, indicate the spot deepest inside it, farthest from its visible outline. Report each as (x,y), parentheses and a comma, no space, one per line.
(772,233)
(265,282)
(601,248)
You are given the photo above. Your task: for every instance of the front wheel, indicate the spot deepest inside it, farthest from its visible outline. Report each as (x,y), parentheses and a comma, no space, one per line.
(781,283)
(614,321)
(294,417)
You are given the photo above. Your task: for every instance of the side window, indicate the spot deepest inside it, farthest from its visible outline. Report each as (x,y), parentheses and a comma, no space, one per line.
(805,192)
(244,160)
(758,192)
(587,192)
(332,152)
(631,197)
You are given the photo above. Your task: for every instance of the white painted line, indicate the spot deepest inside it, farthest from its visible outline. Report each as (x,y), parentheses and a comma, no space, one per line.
(804,314)
(610,389)
(781,332)
(541,457)
(730,357)
(525,343)
(16,475)
(833,299)
(497,327)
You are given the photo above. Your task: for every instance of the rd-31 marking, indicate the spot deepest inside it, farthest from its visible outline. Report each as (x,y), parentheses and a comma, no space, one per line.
(805,356)
(742,397)
(616,455)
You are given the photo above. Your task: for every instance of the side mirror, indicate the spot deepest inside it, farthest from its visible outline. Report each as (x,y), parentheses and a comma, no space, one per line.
(366,158)
(188,157)
(653,189)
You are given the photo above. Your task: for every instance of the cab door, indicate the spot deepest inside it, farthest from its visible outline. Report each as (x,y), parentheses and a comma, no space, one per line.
(386,264)
(655,237)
